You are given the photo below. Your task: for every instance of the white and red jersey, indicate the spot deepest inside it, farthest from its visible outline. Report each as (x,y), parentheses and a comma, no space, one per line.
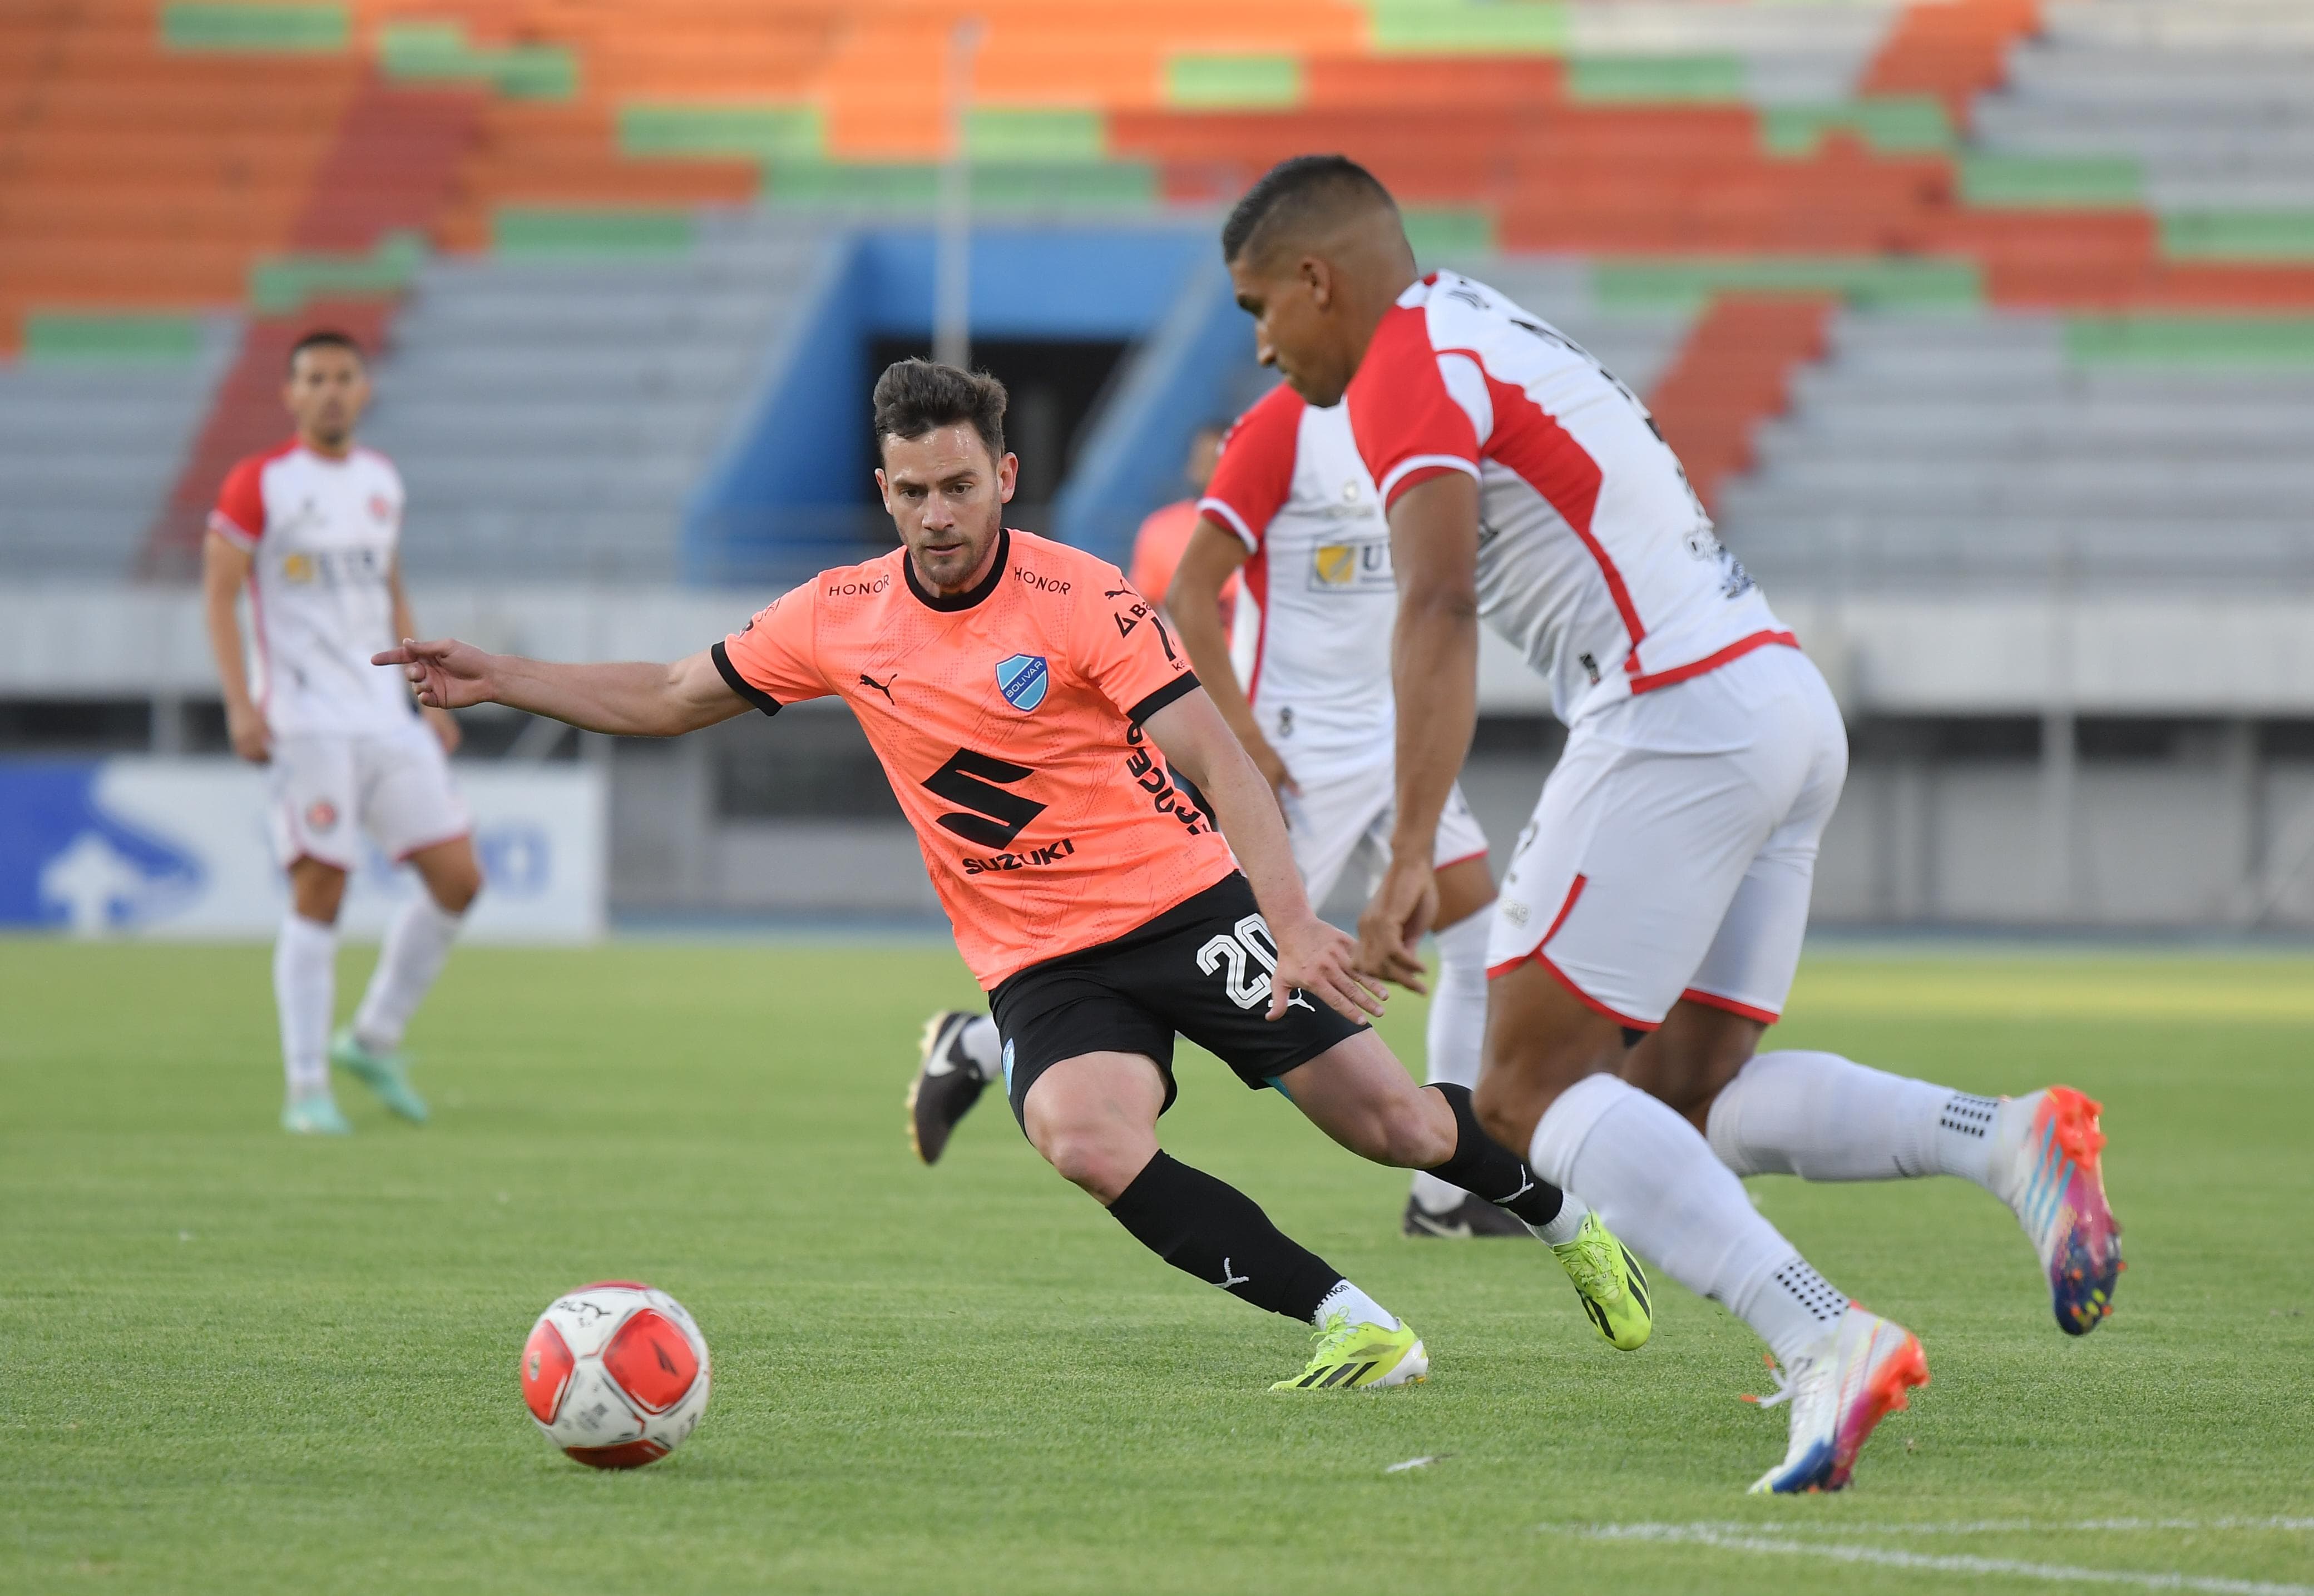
(1311,633)
(323,534)
(1595,559)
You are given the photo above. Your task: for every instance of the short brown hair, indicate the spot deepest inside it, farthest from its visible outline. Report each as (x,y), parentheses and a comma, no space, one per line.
(912,397)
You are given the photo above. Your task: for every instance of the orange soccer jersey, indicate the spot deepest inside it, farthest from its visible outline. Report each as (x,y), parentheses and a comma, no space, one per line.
(1008,721)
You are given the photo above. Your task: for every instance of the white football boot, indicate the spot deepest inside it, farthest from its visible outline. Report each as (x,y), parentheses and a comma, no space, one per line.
(2048,1167)
(1839,1389)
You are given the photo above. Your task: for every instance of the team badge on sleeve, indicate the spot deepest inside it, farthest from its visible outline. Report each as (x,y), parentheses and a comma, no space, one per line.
(1022,679)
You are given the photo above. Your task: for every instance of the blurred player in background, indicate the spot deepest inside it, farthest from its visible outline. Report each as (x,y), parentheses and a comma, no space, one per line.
(1303,681)
(1165,531)
(1303,684)
(309,529)
(1650,923)
(1054,751)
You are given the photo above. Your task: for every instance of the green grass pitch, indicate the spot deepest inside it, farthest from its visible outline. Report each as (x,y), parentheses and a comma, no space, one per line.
(234,1361)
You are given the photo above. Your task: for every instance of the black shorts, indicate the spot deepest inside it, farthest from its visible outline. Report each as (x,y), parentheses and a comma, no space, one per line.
(1201,969)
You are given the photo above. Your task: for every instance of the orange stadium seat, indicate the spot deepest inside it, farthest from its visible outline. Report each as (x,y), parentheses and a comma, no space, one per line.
(143,175)
(1734,372)
(141,169)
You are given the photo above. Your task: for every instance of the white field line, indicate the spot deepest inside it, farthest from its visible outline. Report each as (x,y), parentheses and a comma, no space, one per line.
(1971,1526)
(1723,1538)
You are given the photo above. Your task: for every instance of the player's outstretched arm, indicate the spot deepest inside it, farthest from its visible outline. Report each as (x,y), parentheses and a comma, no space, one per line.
(627,701)
(1312,955)
(1193,599)
(1434,667)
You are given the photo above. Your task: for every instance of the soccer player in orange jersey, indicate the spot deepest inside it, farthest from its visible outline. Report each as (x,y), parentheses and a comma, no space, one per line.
(1065,775)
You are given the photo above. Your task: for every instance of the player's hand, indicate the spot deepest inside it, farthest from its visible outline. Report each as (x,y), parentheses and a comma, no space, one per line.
(245,729)
(447,674)
(1321,962)
(446,730)
(1401,911)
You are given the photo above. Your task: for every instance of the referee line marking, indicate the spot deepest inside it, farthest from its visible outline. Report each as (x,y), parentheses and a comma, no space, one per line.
(1750,1538)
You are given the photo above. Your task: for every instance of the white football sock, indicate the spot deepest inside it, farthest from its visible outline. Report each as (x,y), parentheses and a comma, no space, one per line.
(1655,1181)
(979,1042)
(305,993)
(1355,1306)
(1824,1117)
(2010,1119)
(1565,1223)
(416,944)
(1457,1032)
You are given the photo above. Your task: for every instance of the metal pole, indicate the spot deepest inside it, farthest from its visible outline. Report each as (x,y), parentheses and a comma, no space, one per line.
(952,265)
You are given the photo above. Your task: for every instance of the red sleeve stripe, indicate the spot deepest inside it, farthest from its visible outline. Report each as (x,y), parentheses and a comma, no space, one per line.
(1228,516)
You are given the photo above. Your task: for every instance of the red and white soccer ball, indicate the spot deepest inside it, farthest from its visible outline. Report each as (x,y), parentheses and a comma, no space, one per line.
(615,1373)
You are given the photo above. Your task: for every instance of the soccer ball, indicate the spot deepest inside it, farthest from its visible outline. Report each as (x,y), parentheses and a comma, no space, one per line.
(615,1373)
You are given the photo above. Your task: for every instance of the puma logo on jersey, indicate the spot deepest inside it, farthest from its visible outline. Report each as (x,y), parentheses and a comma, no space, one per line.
(883,687)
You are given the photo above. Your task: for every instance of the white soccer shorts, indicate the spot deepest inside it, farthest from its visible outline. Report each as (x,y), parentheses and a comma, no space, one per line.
(1672,849)
(394,785)
(1330,820)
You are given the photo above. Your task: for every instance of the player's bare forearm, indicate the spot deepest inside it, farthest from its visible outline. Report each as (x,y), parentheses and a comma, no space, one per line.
(1197,742)
(1433,541)
(1312,955)
(224,568)
(1193,599)
(626,699)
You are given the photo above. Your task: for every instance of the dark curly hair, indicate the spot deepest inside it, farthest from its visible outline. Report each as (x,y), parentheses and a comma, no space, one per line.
(912,397)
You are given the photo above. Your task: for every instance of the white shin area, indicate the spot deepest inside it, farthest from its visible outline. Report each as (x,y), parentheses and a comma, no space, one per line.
(417,945)
(304,994)
(1824,1117)
(1456,1034)
(1657,1184)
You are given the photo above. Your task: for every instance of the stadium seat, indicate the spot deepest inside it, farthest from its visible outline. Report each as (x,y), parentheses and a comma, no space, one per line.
(213,158)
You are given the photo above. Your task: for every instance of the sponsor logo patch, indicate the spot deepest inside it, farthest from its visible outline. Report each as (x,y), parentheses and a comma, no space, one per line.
(322,815)
(1359,566)
(1023,680)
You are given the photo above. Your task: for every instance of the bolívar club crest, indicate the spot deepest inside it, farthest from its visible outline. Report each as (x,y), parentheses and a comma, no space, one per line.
(1022,679)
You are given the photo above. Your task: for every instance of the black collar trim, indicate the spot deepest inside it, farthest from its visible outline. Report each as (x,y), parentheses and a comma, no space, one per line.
(971,596)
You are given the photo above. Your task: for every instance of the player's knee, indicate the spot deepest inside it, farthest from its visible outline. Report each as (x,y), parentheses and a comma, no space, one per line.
(1506,1112)
(1410,1136)
(316,891)
(1090,1157)
(456,889)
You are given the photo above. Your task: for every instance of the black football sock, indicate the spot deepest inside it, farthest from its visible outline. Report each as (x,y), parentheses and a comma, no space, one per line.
(1209,1228)
(1486,1168)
